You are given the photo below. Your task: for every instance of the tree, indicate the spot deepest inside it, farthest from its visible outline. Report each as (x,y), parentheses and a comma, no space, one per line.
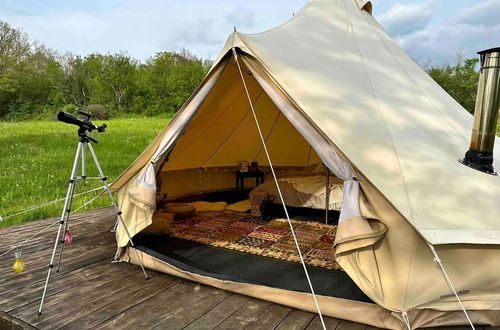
(173,77)
(459,80)
(27,74)
(73,80)
(14,49)
(118,74)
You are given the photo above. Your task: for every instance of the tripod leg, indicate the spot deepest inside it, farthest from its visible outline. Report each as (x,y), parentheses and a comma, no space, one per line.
(62,222)
(66,221)
(66,225)
(83,161)
(114,227)
(118,212)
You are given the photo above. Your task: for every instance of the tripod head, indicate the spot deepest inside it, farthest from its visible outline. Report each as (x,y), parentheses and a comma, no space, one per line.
(84,124)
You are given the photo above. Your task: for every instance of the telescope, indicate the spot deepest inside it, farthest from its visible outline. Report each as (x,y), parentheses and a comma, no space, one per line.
(84,123)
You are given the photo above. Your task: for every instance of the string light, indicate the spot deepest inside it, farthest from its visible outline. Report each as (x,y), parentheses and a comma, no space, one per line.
(67,238)
(18,266)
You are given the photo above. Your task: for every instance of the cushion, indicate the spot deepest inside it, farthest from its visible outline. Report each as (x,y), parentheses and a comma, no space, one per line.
(181,210)
(202,206)
(242,206)
(161,224)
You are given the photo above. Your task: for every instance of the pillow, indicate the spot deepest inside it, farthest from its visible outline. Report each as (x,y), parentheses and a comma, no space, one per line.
(202,206)
(181,210)
(242,206)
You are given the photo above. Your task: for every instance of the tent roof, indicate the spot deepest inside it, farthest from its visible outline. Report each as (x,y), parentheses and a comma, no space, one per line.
(394,123)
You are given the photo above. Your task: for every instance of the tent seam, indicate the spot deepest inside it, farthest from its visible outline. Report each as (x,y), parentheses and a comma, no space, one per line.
(309,156)
(380,112)
(232,132)
(270,131)
(212,123)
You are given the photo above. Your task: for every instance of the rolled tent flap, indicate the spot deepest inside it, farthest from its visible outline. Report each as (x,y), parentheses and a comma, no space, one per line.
(138,202)
(360,231)
(138,197)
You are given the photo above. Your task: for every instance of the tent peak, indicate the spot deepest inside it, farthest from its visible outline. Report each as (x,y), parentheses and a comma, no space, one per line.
(364,5)
(361,4)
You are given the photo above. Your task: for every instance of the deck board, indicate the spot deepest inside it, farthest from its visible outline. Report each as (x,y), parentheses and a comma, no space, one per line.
(91,292)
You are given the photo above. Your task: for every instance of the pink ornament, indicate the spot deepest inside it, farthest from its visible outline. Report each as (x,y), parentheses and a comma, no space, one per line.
(67,238)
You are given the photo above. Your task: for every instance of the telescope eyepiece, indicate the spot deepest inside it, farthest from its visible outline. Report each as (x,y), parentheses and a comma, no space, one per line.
(102,128)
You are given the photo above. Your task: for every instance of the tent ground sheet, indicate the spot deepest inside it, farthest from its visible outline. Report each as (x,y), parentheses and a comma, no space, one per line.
(232,265)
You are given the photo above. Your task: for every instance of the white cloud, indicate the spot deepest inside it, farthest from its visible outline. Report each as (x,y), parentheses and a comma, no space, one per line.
(486,13)
(474,28)
(241,17)
(403,19)
(144,27)
(195,34)
(442,44)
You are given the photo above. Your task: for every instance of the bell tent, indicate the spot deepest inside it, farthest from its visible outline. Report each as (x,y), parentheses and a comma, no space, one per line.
(411,237)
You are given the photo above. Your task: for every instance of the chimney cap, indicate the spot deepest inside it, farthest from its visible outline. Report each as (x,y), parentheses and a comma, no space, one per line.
(489,50)
(482,54)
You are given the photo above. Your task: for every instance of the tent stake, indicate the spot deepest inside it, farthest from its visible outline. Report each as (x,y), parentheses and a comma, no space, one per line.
(278,188)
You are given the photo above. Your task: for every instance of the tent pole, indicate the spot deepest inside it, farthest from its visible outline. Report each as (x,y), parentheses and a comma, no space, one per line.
(278,188)
(450,284)
(327,196)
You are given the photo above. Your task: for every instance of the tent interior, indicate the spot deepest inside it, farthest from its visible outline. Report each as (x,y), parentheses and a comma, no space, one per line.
(228,240)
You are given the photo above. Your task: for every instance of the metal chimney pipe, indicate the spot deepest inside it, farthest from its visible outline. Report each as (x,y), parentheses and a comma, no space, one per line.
(480,154)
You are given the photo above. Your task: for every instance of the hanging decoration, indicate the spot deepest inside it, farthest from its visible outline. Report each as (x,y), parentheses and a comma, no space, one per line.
(18,266)
(67,238)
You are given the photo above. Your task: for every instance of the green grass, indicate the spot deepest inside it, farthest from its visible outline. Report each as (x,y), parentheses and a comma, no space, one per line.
(36,159)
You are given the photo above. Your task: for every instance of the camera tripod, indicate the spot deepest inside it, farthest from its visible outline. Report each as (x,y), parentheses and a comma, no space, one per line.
(83,144)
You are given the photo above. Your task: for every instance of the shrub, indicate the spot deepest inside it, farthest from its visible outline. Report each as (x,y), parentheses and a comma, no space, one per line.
(98,110)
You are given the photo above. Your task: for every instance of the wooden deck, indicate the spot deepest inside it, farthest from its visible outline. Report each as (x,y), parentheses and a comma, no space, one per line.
(92,292)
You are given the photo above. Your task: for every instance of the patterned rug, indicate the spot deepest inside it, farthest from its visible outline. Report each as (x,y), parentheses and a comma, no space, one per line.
(246,233)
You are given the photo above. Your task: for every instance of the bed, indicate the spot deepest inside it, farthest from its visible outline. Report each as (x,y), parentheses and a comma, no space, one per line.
(303,190)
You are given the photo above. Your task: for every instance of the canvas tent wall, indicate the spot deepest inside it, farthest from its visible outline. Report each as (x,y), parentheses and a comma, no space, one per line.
(352,93)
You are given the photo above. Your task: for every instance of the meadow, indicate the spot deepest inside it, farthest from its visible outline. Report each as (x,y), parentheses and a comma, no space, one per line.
(36,159)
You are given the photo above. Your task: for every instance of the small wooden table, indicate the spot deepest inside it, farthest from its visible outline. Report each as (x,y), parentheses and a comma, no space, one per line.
(240,177)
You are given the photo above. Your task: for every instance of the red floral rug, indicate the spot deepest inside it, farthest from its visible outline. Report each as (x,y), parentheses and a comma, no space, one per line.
(246,233)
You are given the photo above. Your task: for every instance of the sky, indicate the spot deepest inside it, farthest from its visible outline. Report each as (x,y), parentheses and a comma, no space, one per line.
(431,31)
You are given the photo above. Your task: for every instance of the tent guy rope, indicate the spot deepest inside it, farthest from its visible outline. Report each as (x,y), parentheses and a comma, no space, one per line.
(52,224)
(278,188)
(450,284)
(406,319)
(39,206)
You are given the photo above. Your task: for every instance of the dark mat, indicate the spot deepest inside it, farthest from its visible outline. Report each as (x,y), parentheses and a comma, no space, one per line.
(232,265)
